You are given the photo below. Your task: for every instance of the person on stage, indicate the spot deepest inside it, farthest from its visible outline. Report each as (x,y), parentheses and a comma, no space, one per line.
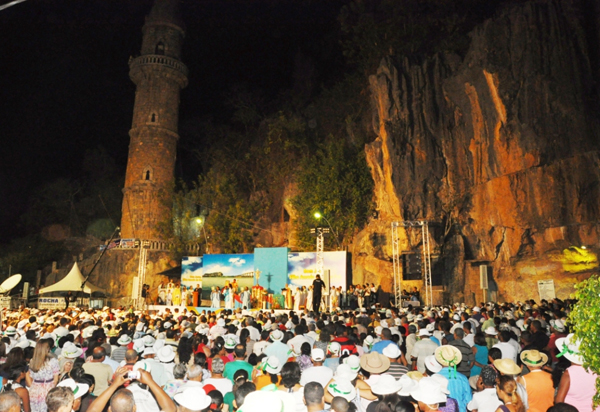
(309,298)
(246,298)
(318,286)
(215,298)
(184,295)
(288,297)
(297,298)
(196,295)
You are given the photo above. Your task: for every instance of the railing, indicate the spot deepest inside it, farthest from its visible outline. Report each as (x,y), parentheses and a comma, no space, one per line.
(159,245)
(161,60)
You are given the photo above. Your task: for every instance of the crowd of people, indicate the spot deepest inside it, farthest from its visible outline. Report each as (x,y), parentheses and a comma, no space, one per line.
(488,358)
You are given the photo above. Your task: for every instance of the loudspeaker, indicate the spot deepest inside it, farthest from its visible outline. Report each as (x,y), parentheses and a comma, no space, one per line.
(483,277)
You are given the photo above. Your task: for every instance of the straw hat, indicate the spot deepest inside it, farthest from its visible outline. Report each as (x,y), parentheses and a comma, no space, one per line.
(534,358)
(448,355)
(569,348)
(385,385)
(507,366)
(375,362)
(429,391)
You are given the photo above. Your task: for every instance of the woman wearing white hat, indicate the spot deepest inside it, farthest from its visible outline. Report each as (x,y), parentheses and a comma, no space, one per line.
(428,394)
(577,386)
(267,372)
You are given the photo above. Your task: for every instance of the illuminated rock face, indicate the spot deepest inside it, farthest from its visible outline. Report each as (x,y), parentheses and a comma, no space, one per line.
(500,149)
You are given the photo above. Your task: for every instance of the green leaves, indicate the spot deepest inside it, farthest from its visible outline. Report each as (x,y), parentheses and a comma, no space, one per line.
(584,319)
(335,182)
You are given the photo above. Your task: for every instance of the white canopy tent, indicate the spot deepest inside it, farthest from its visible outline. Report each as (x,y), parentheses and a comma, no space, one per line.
(72,282)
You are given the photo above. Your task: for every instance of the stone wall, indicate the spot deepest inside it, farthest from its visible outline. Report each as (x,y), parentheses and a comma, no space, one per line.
(499,150)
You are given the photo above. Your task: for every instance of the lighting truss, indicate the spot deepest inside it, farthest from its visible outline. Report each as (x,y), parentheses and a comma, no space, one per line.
(425,262)
(320,233)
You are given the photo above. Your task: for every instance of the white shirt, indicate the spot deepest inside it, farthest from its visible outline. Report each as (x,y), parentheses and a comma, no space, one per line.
(143,398)
(469,339)
(223,385)
(296,343)
(421,350)
(508,350)
(485,401)
(321,374)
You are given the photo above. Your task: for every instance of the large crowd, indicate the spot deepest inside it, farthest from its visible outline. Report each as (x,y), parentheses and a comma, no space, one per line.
(488,358)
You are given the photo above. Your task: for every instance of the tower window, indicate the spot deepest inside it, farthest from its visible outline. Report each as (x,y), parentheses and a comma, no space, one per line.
(147,175)
(153,118)
(160,48)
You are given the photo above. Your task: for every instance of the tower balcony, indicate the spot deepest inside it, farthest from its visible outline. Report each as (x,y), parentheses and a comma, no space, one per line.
(138,64)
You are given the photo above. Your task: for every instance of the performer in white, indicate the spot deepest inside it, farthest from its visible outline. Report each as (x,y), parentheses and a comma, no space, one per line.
(245,296)
(309,298)
(303,295)
(228,298)
(324,300)
(215,298)
(297,298)
(184,295)
(169,297)
(333,299)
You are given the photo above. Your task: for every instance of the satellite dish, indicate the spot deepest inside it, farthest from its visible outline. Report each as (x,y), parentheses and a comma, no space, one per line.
(10,283)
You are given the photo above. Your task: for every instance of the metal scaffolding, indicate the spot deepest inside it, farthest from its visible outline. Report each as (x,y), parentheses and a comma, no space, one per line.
(426,261)
(320,233)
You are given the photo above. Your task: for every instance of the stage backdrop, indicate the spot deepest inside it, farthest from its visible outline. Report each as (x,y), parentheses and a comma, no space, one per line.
(271,264)
(217,270)
(191,272)
(302,268)
(275,267)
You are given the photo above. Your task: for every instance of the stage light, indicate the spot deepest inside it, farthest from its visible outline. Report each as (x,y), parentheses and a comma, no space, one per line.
(317,215)
(583,247)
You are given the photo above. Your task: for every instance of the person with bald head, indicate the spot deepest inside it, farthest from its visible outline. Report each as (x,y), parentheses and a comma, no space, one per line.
(101,372)
(124,400)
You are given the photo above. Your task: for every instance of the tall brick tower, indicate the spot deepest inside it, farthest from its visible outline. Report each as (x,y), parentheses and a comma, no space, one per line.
(159,76)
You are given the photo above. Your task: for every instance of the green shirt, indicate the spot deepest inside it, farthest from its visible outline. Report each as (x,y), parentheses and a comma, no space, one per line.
(232,367)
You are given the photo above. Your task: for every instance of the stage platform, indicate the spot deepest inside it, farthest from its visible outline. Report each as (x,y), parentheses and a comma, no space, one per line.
(199,309)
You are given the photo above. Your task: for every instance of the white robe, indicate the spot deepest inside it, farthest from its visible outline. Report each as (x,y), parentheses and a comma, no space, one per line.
(297,299)
(309,299)
(215,298)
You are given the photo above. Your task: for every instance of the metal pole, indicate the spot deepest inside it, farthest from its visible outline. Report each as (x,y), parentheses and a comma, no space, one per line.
(320,255)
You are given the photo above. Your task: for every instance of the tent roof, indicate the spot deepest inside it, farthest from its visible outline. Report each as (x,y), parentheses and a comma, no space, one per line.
(72,282)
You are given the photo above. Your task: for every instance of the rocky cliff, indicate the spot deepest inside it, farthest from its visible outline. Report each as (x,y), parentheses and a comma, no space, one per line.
(498,150)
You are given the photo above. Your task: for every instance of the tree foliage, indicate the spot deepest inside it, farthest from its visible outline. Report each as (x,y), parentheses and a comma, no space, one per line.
(336,183)
(584,319)
(373,29)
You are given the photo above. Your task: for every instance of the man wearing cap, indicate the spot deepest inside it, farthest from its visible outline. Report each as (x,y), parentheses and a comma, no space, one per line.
(318,372)
(423,348)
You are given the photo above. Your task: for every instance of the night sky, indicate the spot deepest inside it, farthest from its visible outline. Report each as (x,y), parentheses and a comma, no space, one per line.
(65,88)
